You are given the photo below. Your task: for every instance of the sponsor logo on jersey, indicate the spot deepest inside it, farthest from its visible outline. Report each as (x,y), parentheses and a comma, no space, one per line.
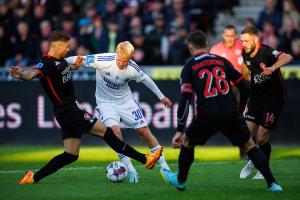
(66,74)
(39,65)
(111,84)
(261,78)
(90,59)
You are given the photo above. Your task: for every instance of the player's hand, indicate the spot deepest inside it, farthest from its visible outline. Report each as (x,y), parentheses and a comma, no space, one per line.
(166,102)
(266,70)
(177,139)
(79,60)
(15,72)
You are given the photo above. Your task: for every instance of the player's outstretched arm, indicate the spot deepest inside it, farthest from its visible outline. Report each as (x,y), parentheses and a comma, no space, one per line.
(16,72)
(75,61)
(283,60)
(149,83)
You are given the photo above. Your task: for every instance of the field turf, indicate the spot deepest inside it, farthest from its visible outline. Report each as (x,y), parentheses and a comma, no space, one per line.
(214,175)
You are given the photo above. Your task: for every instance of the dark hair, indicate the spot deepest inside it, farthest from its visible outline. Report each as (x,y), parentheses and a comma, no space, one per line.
(250,30)
(197,39)
(230,27)
(58,35)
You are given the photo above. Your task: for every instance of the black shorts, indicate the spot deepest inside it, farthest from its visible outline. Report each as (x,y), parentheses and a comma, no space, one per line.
(73,121)
(235,130)
(265,117)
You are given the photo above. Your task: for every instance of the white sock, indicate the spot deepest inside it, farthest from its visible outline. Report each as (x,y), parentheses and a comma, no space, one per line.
(126,160)
(162,161)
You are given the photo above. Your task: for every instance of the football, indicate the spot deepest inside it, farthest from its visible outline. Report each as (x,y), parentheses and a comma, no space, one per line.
(116,172)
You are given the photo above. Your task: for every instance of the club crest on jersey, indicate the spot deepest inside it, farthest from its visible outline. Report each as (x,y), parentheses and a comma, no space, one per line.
(248,62)
(87,116)
(275,53)
(39,65)
(90,59)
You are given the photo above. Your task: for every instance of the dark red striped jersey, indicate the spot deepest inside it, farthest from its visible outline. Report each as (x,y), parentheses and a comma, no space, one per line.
(265,90)
(209,77)
(56,79)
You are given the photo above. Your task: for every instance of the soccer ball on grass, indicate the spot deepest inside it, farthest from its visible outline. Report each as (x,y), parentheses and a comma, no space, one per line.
(116,172)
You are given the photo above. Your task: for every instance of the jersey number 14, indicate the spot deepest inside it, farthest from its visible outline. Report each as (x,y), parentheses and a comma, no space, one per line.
(217,75)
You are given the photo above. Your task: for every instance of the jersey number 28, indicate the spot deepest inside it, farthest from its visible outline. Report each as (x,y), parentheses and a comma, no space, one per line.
(218,76)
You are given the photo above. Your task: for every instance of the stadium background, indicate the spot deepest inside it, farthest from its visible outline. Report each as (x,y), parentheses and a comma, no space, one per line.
(29,136)
(157,29)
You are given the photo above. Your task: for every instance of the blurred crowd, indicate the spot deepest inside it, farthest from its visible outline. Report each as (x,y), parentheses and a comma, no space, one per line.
(279,23)
(157,28)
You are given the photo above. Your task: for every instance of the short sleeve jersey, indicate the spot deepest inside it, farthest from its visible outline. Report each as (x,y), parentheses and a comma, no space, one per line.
(56,79)
(112,82)
(265,90)
(209,76)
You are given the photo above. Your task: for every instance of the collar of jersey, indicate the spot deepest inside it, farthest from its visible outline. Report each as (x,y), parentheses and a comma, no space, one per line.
(200,53)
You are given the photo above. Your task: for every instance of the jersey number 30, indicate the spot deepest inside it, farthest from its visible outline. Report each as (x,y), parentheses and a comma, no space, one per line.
(217,75)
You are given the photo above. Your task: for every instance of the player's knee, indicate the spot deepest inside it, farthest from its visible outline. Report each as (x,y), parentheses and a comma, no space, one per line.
(144,132)
(118,134)
(261,140)
(248,145)
(98,129)
(117,131)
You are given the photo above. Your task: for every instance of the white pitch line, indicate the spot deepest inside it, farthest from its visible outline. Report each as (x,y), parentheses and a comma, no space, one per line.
(95,167)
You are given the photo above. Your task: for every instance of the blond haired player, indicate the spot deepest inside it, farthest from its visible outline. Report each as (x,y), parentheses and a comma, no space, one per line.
(115,101)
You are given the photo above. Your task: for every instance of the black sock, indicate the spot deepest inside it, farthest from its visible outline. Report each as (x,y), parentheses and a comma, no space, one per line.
(54,164)
(121,147)
(260,162)
(266,148)
(186,158)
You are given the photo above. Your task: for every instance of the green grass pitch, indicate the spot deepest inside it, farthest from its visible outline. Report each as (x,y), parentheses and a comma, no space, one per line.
(213,175)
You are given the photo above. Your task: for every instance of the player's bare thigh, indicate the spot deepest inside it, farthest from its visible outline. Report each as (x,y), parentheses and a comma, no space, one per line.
(252,127)
(98,129)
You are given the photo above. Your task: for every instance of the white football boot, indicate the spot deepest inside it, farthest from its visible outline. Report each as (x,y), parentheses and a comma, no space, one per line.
(246,171)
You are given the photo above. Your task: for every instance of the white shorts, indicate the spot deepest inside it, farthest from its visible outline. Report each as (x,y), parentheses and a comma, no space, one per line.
(126,115)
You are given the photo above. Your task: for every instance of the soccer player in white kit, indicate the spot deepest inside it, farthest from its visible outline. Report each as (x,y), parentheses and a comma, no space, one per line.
(115,101)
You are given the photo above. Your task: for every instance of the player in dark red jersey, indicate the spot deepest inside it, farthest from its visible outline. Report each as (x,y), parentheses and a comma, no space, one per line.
(216,109)
(267,91)
(56,78)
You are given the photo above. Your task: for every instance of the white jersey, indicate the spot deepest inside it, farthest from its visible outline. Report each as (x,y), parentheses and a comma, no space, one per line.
(112,82)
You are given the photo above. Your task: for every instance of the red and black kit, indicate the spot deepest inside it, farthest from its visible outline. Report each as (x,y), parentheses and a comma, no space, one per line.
(56,79)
